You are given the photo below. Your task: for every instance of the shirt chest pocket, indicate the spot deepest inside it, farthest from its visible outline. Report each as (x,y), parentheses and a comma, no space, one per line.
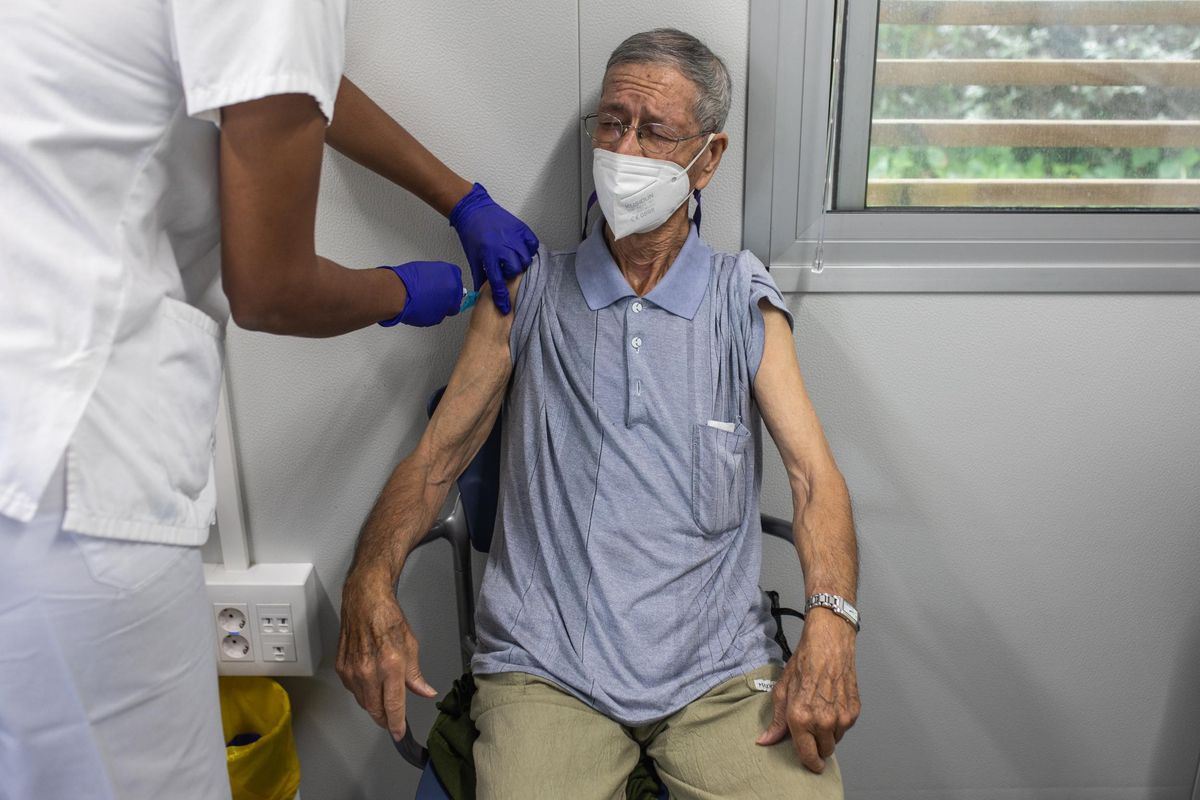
(719,472)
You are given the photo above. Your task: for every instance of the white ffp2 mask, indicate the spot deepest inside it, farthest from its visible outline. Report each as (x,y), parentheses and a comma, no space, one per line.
(636,193)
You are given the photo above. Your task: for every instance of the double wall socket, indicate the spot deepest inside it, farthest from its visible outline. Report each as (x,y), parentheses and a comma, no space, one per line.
(266,619)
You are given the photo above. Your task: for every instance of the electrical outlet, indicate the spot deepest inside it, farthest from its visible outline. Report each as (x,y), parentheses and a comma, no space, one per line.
(271,612)
(231,617)
(236,647)
(232,641)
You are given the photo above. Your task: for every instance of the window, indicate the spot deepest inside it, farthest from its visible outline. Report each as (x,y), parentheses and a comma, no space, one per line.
(968,145)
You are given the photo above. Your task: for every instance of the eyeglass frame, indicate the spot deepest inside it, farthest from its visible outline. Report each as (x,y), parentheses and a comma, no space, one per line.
(637,132)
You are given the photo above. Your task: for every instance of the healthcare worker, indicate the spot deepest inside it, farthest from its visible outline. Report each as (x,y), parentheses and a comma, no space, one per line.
(151,150)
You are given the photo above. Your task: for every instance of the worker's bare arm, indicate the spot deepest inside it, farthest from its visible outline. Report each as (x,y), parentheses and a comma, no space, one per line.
(365,133)
(271,152)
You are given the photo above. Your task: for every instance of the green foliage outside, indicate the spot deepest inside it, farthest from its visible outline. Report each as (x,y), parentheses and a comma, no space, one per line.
(1141,42)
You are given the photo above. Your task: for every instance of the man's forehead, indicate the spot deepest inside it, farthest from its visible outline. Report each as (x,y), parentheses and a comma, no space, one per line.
(656,90)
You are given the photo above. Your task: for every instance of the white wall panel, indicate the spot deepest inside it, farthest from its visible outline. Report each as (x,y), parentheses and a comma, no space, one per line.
(1024,475)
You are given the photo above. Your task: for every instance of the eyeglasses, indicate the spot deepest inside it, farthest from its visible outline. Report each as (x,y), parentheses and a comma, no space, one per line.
(653,137)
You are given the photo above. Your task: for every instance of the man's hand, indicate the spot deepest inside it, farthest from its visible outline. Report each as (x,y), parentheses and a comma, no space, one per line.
(377,653)
(816,698)
(499,246)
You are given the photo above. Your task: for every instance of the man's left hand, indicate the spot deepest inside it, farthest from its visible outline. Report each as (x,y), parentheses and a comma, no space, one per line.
(499,246)
(816,698)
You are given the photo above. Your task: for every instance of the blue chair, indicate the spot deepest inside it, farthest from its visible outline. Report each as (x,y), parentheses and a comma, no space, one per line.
(469,526)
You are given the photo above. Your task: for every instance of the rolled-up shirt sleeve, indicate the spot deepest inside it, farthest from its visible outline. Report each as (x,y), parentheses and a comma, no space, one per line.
(530,296)
(234,51)
(762,287)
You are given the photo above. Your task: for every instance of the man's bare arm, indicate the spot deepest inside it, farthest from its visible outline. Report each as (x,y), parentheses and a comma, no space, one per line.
(817,696)
(823,524)
(419,484)
(377,652)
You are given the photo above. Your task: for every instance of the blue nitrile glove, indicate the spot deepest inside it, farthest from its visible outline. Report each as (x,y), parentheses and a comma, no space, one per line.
(435,292)
(498,245)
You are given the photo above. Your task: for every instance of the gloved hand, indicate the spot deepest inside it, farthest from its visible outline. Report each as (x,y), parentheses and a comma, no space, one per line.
(435,292)
(498,245)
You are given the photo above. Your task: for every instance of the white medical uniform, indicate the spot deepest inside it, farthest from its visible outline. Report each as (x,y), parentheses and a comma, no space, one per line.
(111,323)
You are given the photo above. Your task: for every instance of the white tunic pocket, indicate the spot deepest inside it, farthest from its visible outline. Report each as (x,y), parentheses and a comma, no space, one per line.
(189,374)
(140,464)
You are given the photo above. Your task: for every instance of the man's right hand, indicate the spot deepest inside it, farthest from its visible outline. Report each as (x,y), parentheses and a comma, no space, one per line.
(377,653)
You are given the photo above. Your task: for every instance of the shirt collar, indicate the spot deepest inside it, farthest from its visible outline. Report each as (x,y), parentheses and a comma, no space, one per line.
(680,291)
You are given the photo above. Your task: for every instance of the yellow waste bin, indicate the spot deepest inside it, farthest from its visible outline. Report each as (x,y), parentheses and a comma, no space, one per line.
(256,718)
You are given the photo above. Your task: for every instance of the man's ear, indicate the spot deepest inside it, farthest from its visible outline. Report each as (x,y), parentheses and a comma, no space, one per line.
(707,164)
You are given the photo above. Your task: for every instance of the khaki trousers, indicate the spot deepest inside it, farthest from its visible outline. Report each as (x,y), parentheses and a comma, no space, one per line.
(537,741)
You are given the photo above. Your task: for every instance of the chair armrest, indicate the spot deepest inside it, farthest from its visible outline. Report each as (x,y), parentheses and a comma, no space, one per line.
(780,529)
(412,750)
(453,529)
(438,530)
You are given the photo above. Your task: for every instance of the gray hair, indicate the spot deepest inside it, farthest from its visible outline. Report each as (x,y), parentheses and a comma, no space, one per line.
(692,58)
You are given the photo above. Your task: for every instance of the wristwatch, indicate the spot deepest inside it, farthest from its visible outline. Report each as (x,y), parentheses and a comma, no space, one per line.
(835,603)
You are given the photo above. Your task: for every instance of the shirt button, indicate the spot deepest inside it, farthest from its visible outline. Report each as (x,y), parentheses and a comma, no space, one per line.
(637,308)
(637,342)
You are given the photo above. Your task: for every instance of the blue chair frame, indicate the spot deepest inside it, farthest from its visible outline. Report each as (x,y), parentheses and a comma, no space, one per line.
(469,526)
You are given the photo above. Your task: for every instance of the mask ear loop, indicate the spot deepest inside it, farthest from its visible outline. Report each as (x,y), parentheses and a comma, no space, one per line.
(696,192)
(591,202)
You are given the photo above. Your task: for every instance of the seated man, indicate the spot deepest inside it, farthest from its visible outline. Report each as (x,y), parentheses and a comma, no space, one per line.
(620,608)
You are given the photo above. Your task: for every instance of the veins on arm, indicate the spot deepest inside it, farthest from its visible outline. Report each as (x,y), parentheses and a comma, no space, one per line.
(419,484)
(822,517)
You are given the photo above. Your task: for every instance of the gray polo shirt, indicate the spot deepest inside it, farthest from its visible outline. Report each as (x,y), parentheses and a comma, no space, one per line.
(628,545)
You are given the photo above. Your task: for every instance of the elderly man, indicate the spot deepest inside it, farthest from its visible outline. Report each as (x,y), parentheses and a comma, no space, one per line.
(620,610)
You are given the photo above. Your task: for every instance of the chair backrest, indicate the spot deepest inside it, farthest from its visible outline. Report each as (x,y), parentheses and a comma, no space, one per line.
(478,485)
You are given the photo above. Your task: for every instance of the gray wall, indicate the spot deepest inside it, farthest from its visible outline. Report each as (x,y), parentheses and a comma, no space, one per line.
(1024,468)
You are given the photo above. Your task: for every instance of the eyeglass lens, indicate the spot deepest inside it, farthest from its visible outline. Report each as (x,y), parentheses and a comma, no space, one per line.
(653,137)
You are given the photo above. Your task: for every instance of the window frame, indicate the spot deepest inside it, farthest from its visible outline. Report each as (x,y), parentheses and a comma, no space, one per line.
(911,250)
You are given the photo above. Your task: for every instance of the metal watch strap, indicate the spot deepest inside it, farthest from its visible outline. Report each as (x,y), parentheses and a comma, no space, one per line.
(835,603)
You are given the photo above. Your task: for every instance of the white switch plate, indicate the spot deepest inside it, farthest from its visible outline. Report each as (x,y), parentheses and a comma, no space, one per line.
(269,591)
